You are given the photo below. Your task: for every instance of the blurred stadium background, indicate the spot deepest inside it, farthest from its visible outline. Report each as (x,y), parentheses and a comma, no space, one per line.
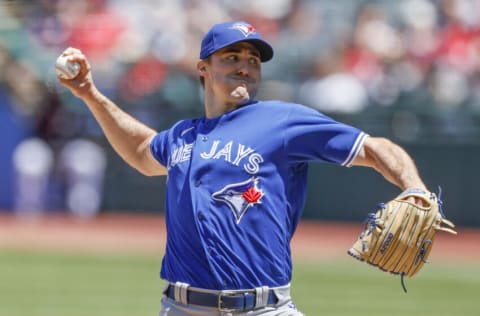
(408,70)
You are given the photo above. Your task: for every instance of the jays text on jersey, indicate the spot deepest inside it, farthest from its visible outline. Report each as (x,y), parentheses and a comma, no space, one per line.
(236,189)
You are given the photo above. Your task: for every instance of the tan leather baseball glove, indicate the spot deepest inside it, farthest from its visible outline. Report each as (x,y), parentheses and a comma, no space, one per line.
(399,236)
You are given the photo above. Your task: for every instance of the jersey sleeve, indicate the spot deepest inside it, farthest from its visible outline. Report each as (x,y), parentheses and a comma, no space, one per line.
(161,144)
(158,147)
(313,136)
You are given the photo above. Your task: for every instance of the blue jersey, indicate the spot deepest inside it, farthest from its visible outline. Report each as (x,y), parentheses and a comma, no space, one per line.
(236,189)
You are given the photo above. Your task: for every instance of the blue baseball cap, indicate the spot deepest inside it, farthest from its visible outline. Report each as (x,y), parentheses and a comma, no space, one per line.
(225,34)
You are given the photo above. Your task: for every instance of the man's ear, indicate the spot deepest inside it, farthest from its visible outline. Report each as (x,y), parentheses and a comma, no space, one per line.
(201,67)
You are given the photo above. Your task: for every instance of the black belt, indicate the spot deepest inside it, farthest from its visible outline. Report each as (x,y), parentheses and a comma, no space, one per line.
(224,300)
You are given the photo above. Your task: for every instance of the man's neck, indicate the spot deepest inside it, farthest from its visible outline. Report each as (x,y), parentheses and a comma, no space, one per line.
(216,109)
(215,106)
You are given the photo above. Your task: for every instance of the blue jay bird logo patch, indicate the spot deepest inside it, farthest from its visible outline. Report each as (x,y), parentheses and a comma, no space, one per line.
(246,29)
(240,196)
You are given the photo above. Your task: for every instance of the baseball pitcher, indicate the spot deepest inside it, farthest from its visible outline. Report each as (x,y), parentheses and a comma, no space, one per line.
(236,177)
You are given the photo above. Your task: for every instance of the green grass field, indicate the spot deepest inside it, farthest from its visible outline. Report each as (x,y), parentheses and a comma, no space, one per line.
(51,284)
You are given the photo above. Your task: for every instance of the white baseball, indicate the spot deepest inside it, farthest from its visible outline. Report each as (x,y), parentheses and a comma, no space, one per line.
(66,69)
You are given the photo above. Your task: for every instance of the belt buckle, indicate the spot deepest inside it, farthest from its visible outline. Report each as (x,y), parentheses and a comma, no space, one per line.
(220,303)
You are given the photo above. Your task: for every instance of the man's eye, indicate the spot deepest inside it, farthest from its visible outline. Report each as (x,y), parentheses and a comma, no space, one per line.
(231,58)
(254,61)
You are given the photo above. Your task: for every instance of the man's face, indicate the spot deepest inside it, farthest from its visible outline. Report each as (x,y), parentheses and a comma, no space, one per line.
(233,73)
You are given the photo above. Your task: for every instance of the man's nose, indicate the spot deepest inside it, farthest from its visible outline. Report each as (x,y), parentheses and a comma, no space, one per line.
(243,68)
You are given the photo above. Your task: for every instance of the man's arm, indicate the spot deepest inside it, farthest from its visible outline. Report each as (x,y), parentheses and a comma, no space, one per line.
(129,137)
(391,161)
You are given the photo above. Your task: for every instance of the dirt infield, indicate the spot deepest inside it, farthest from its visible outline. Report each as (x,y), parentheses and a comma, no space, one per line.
(146,234)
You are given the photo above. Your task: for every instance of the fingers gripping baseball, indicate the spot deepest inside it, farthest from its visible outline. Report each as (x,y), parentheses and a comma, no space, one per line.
(78,83)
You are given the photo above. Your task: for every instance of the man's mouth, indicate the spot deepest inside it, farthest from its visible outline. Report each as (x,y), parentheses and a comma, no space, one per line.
(242,79)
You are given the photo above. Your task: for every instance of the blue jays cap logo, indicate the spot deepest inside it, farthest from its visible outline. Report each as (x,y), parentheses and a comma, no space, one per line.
(240,196)
(245,28)
(225,34)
